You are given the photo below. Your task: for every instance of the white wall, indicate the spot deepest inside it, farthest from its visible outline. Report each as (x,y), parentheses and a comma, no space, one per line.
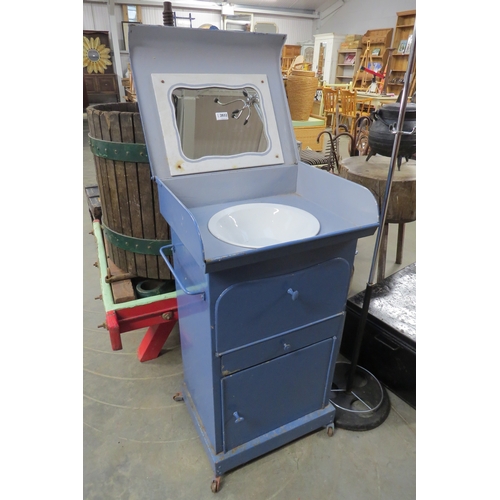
(354,17)
(359,16)
(95,17)
(296,30)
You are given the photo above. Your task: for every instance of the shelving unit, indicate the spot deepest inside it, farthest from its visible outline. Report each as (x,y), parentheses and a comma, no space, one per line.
(374,41)
(347,65)
(399,61)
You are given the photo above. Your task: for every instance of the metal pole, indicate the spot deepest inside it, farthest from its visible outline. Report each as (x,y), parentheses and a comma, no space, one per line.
(116,47)
(398,131)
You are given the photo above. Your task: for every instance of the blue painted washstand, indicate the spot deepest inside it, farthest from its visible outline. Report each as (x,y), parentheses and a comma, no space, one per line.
(262,244)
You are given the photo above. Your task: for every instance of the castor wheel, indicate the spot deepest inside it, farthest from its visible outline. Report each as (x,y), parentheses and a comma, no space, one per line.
(178,397)
(329,430)
(215,486)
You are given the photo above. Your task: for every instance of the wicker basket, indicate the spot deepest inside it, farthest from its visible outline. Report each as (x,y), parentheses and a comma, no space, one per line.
(301,88)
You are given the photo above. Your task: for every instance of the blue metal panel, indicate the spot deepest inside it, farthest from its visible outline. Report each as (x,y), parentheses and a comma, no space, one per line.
(233,185)
(270,395)
(280,344)
(196,341)
(160,49)
(223,462)
(181,221)
(348,200)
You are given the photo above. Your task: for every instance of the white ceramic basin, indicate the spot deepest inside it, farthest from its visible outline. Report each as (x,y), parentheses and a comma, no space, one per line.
(257,225)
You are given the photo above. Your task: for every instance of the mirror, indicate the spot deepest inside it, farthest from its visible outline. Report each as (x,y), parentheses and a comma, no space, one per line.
(216,121)
(213,122)
(239,21)
(321,61)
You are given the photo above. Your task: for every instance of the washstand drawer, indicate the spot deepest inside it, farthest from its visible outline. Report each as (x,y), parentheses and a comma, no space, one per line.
(282,344)
(255,310)
(267,396)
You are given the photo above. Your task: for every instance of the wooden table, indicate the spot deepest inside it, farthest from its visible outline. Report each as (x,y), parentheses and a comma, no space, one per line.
(402,203)
(378,100)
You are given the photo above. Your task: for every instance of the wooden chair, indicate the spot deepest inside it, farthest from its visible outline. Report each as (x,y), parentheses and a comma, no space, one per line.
(331,104)
(330,98)
(352,108)
(342,143)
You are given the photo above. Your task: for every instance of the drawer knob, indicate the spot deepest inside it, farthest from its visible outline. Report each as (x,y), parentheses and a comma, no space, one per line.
(238,419)
(286,346)
(294,294)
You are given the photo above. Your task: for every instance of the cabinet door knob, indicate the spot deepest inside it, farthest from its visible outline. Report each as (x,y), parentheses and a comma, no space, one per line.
(293,293)
(238,419)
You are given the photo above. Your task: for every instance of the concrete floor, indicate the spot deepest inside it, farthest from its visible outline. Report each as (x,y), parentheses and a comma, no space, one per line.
(138,444)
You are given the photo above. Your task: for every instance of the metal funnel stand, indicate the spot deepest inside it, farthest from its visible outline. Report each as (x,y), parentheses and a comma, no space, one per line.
(360,400)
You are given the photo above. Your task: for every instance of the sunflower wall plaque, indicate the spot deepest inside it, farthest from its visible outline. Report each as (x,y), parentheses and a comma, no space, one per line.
(99,77)
(96,53)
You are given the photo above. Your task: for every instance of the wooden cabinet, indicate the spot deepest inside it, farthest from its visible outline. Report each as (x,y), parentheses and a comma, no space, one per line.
(374,54)
(101,84)
(401,45)
(326,47)
(101,88)
(98,74)
(306,132)
(347,65)
(288,54)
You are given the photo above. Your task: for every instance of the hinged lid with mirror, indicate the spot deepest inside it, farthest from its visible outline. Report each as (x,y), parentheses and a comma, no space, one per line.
(219,134)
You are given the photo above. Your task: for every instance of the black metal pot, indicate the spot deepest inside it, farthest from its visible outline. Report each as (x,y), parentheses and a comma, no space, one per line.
(381,138)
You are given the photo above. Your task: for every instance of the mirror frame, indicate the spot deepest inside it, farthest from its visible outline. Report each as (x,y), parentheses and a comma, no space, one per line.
(180,164)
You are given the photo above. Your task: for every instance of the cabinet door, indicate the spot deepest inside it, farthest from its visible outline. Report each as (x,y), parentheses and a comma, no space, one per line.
(107,83)
(270,395)
(91,83)
(255,310)
(104,84)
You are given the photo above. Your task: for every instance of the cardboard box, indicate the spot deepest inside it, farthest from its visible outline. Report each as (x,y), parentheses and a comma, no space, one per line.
(350,45)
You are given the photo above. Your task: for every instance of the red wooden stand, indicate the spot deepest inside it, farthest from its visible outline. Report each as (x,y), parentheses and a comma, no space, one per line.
(157,314)
(160,317)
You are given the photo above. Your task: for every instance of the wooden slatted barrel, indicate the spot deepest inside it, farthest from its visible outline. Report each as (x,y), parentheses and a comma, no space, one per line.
(131,221)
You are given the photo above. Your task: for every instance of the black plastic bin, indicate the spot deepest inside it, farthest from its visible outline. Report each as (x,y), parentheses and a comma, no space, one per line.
(389,344)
